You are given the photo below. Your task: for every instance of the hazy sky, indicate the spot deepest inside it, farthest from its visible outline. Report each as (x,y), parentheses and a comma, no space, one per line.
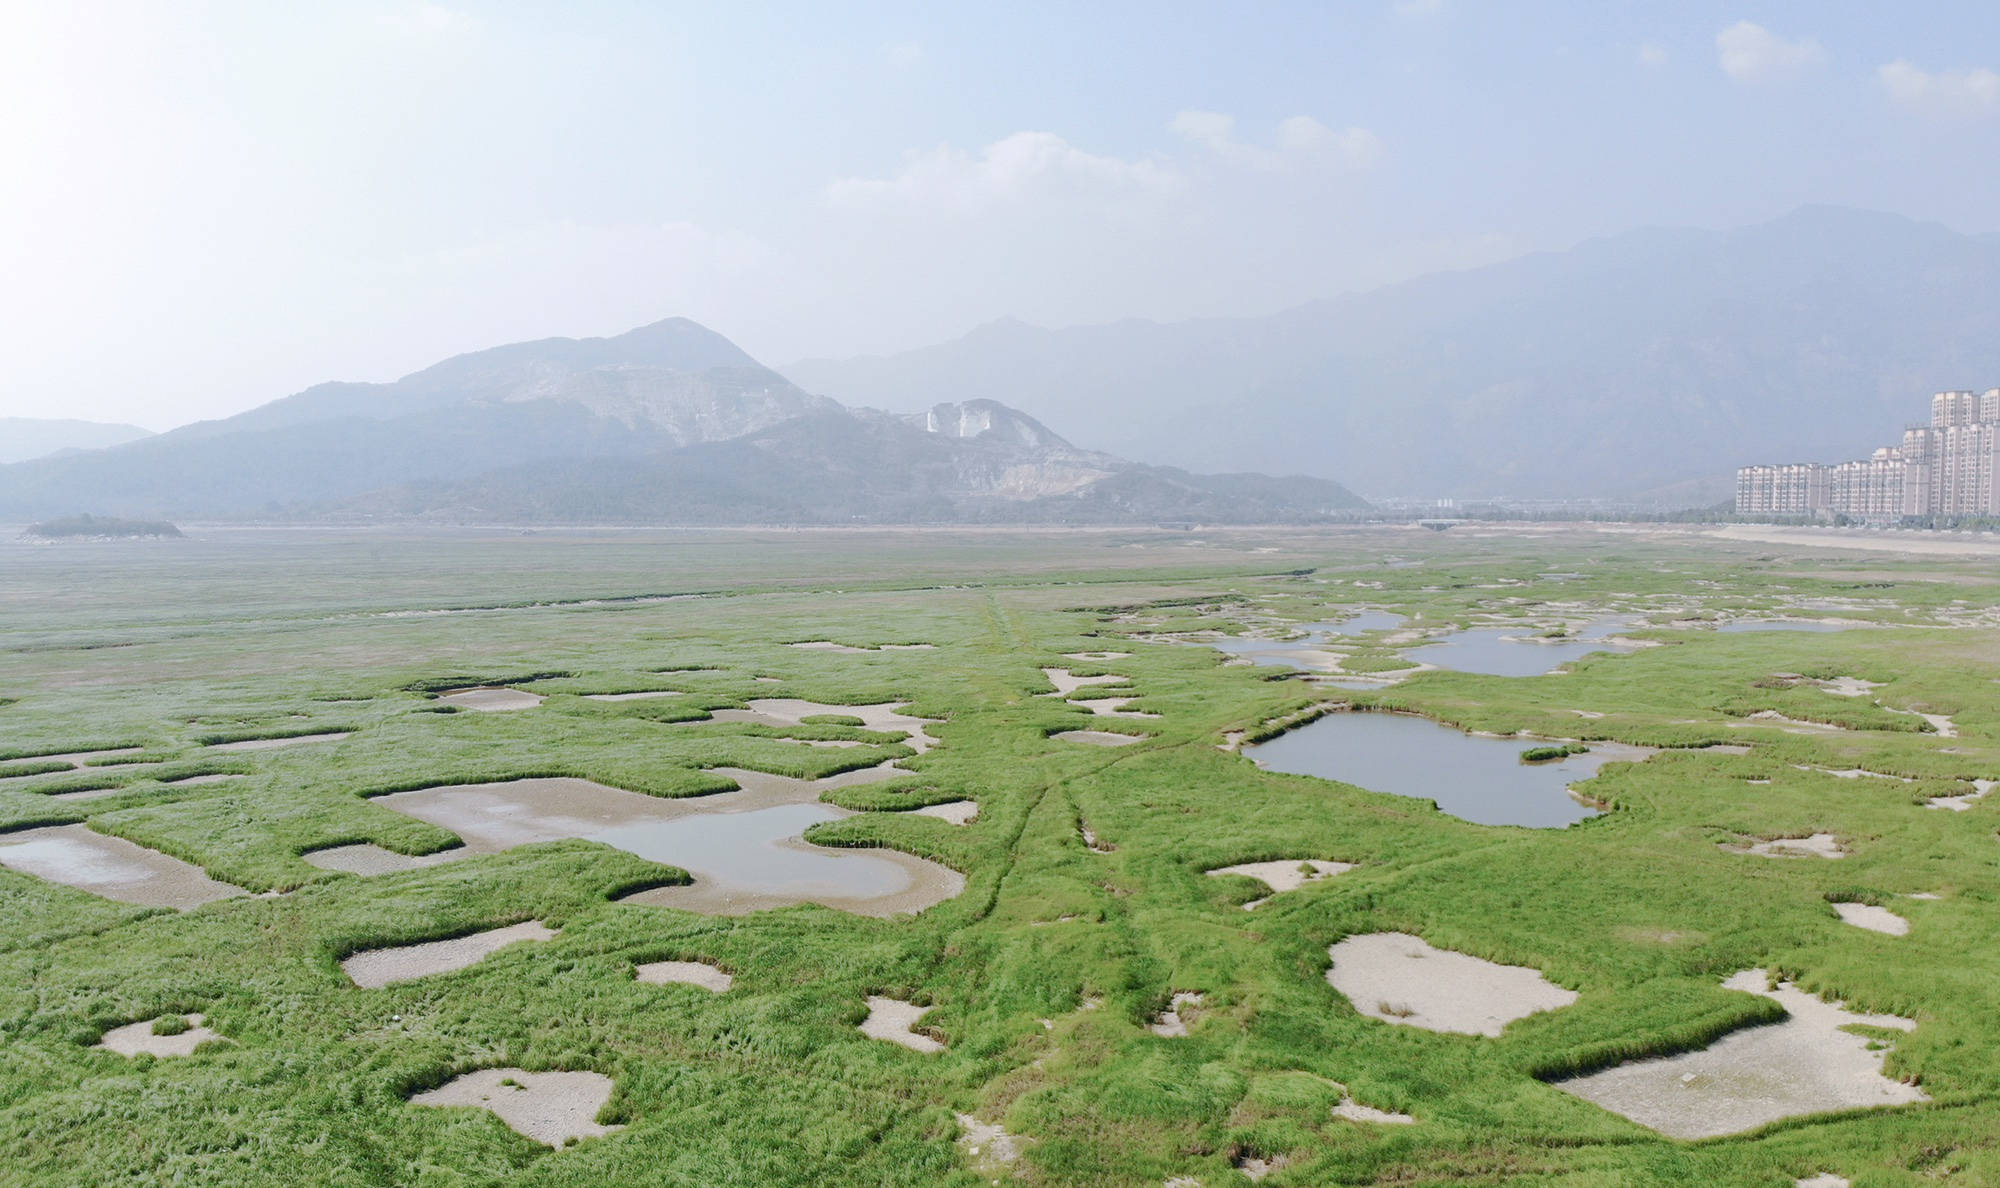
(208,205)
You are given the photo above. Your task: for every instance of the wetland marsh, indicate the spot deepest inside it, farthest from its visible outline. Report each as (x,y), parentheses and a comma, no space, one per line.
(577,858)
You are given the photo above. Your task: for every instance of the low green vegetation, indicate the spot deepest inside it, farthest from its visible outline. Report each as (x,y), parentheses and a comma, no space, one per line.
(99,526)
(1044,974)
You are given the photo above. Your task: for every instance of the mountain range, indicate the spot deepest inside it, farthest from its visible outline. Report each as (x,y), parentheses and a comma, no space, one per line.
(22,438)
(668,423)
(1641,361)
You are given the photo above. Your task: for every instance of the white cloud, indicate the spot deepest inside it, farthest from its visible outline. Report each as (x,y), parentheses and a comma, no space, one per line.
(1749,52)
(1652,55)
(1024,167)
(1946,93)
(1300,140)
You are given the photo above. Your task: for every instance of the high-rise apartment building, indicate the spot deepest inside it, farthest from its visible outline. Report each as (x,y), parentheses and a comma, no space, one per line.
(1950,467)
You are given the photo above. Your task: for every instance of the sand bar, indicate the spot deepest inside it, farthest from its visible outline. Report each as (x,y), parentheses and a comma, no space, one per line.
(375,968)
(1401,979)
(137,1039)
(548,1107)
(894,1020)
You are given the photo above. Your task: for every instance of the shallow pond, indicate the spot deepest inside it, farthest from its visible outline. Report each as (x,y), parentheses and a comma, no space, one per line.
(1303,652)
(1515,651)
(1471,777)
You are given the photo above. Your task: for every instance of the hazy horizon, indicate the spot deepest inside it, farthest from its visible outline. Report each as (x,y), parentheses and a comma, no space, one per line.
(228,204)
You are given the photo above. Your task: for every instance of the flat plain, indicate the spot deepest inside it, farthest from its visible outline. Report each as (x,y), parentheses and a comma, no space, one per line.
(1094,1005)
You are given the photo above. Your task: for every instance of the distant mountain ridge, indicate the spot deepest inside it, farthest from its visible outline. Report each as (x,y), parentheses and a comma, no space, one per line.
(1634,362)
(669,423)
(23,438)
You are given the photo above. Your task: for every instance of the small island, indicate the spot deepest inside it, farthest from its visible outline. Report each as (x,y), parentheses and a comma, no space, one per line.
(99,527)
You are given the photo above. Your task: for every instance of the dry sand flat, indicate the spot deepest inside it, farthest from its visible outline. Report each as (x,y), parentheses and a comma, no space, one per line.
(639,695)
(1113,707)
(548,1107)
(1873,918)
(272,744)
(1817,845)
(894,1020)
(955,812)
(1354,1111)
(1871,540)
(1099,738)
(1098,656)
(367,858)
(1067,682)
(1959,804)
(490,699)
(137,1039)
(792,711)
(83,758)
(1284,874)
(1172,1023)
(375,968)
(199,780)
(1399,978)
(110,866)
(741,847)
(988,1146)
(1757,1075)
(826,645)
(685,973)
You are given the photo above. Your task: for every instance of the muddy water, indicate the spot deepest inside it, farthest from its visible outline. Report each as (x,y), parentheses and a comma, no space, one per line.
(111,867)
(743,847)
(1513,651)
(1304,652)
(1471,777)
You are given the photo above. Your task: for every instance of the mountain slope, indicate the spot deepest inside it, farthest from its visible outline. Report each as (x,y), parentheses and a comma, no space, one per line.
(22,438)
(1626,363)
(670,423)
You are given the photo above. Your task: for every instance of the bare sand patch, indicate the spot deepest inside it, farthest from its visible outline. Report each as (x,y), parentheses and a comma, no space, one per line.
(1284,874)
(1170,1023)
(1873,918)
(1401,979)
(90,793)
(1823,1180)
(1727,749)
(1940,724)
(1354,1111)
(1067,682)
(1817,845)
(85,758)
(1959,804)
(375,968)
(272,744)
(195,781)
(367,858)
(1789,725)
(792,711)
(1098,656)
(548,1107)
(894,1020)
(491,699)
(988,1146)
(1113,707)
(826,645)
(1848,686)
(689,973)
(1091,841)
(1099,738)
(638,695)
(955,812)
(112,867)
(1756,1075)
(138,1039)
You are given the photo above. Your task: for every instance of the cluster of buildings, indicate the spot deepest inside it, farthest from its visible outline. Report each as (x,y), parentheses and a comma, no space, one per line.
(1945,468)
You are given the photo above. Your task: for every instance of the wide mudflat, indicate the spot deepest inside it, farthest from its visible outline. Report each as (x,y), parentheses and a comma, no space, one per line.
(894,1020)
(686,973)
(138,1039)
(1757,1075)
(110,866)
(490,699)
(548,1107)
(375,968)
(1401,979)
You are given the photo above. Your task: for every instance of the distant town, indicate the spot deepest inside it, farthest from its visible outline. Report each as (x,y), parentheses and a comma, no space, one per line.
(1943,469)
